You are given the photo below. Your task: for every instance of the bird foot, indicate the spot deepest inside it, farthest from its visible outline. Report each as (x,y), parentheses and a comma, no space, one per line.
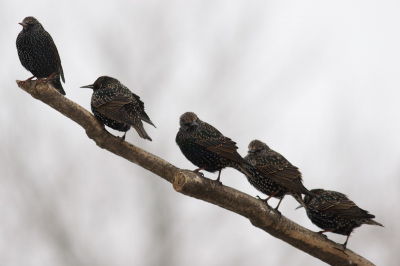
(21,83)
(40,80)
(218,182)
(341,248)
(199,169)
(276,212)
(269,207)
(258,197)
(325,236)
(49,77)
(123,137)
(198,173)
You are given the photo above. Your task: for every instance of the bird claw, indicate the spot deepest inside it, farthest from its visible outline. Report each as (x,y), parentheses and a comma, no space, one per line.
(325,236)
(21,83)
(277,212)
(269,207)
(40,80)
(342,248)
(218,182)
(198,173)
(123,137)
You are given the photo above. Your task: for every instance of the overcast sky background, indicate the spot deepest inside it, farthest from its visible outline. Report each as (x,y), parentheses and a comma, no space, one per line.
(317,81)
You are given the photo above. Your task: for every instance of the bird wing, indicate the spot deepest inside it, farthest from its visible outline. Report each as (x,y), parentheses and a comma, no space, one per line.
(275,166)
(55,51)
(214,141)
(143,114)
(112,106)
(336,203)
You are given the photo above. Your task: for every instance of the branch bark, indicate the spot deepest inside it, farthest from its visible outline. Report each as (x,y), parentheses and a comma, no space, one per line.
(190,184)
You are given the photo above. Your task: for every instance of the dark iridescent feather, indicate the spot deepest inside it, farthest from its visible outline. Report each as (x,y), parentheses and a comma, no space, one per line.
(116,106)
(206,147)
(273,175)
(334,212)
(38,53)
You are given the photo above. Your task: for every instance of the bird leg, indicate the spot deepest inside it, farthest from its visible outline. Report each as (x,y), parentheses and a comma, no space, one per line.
(279,203)
(23,82)
(219,175)
(123,137)
(345,243)
(325,231)
(197,171)
(272,195)
(50,77)
(269,207)
(47,79)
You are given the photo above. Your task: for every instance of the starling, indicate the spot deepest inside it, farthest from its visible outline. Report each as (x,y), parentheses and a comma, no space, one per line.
(206,147)
(38,53)
(334,212)
(116,106)
(272,174)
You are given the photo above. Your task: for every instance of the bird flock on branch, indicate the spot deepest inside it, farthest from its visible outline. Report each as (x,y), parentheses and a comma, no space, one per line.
(115,106)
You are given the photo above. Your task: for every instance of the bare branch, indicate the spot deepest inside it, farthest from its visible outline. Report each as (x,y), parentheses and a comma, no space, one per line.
(190,184)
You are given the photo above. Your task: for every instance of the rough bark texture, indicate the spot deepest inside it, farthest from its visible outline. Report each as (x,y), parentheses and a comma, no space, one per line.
(193,185)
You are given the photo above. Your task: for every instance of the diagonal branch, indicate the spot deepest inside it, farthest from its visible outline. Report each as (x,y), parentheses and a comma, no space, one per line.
(190,184)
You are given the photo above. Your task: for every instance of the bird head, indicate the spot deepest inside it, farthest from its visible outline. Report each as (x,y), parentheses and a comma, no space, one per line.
(189,121)
(257,147)
(102,83)
(30,23)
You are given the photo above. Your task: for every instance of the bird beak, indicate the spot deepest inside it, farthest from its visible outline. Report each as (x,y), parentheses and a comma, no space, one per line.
(251,151)
(23,24)
(299,207)
(194,123)
(88,86)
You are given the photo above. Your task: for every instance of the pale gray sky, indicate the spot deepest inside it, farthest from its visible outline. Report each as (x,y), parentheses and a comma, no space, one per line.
(318,82)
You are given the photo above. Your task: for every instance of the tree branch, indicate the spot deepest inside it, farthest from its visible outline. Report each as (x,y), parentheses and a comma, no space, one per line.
(190,184)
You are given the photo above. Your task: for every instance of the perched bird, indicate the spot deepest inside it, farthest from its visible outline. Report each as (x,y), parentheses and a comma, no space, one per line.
(334,212)
(116,106)
(38,53)
(206,147)
(272,174)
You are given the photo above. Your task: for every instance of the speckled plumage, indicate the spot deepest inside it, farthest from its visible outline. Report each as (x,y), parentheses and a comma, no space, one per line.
(205,146)
(38,53)
(334,212)
(272,174)
(117,107)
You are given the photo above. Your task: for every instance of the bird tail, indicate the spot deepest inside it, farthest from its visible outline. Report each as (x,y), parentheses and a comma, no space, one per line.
(372,222)
(146,119)
(297,196)
(55,81)
(302,189)
(309,193)
(142,133)
(243,169)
